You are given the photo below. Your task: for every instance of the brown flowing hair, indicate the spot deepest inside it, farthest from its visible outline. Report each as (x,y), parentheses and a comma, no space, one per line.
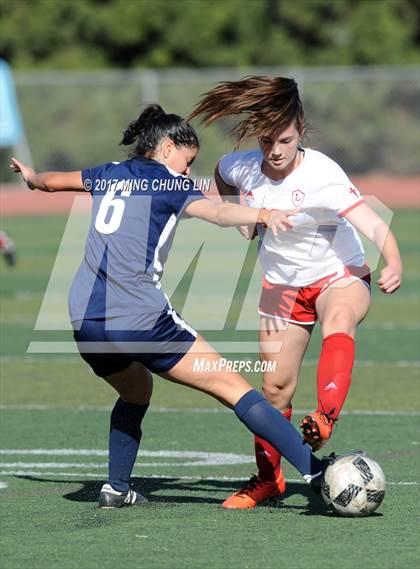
(272,104)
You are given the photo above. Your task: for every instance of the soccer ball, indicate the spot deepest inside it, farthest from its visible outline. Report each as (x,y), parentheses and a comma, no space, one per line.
(354,485)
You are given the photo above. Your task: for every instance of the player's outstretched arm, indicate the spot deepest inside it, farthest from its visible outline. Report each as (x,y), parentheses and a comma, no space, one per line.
(233,215)
(231,194)
(48,181)
(365,220)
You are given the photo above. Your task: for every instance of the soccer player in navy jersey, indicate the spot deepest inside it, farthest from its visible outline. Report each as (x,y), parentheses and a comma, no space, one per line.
(124,325)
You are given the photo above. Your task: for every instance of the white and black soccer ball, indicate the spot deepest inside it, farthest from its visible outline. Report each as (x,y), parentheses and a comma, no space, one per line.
(354,485)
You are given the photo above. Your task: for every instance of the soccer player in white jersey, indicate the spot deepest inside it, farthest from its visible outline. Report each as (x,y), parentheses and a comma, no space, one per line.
(314,271)
(123,322)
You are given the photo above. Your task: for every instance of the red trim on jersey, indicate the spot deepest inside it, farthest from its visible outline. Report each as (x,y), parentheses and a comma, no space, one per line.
(346,211)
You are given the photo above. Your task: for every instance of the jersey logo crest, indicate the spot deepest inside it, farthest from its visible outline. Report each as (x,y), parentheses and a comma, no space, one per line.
(297,197)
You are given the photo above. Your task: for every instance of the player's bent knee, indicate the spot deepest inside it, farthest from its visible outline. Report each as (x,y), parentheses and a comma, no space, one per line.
(280,393)
(341,320)
(134,384)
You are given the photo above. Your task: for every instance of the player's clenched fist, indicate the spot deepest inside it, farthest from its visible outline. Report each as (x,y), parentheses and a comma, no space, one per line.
(390,280)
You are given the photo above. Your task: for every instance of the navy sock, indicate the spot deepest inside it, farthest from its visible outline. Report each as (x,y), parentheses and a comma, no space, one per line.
(124,440)
(266,422)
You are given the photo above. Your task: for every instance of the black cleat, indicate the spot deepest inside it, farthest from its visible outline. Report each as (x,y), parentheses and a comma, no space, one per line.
(110,498)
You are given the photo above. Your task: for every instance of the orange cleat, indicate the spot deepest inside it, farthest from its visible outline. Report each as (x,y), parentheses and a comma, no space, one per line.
(317,428)
(255,492)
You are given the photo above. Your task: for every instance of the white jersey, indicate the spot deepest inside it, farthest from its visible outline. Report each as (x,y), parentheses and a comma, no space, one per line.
(322,240)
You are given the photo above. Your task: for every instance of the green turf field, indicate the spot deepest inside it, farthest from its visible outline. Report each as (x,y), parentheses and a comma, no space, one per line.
(55,414)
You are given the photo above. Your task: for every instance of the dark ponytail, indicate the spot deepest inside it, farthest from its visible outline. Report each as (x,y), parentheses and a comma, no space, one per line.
(152,126)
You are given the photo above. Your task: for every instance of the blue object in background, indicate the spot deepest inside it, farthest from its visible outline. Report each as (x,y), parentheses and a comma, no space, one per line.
(11,130)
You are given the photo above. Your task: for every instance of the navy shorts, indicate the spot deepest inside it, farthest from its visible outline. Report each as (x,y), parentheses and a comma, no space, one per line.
(108,349)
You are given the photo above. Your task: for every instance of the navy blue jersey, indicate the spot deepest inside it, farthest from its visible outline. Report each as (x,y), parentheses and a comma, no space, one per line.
(136,207)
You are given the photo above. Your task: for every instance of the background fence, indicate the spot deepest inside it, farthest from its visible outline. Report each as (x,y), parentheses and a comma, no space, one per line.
(366,118)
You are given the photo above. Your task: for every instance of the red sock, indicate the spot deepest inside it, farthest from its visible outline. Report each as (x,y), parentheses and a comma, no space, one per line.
(334,373)
(267,457)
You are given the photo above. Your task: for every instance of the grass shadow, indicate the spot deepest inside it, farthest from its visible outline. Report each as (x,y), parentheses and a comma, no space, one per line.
(179,491)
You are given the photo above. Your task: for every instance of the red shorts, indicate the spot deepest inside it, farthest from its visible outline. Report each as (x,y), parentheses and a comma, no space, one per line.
(297,304)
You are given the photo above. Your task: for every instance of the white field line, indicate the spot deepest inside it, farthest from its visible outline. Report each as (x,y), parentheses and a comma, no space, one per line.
(104,452)
(201,458)
(205,459)
(25,359)
(198,410)
(105,465)
(367,412)
(53,465)
(162,477)
(390,326)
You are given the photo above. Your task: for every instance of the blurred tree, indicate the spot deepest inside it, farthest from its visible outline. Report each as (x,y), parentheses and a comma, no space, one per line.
(160,33)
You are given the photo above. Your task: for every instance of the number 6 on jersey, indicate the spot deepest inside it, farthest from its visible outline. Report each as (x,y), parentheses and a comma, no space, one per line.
(117,204)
